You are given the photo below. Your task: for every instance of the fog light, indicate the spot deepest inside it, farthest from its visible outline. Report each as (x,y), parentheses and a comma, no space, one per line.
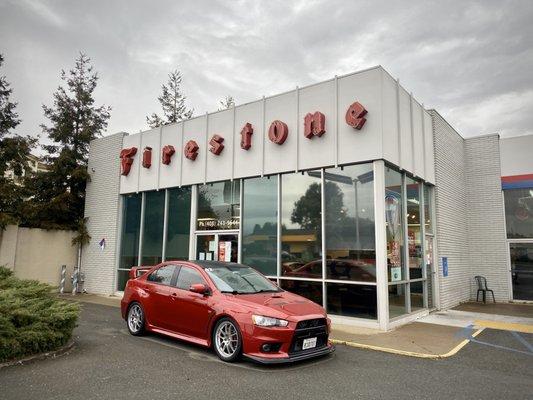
(266,347)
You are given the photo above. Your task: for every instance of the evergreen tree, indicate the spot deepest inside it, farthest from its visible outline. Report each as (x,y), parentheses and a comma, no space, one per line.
(172,102)
(226,103)
(14,150)
(75,120)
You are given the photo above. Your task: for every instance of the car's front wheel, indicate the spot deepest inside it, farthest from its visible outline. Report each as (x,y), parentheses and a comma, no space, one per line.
(227,340)
(135,319)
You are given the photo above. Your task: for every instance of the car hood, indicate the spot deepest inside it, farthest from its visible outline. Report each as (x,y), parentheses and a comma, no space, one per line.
(279,305)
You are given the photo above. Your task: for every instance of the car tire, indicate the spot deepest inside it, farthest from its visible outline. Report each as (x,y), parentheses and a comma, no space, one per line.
(227,340)
(135,319)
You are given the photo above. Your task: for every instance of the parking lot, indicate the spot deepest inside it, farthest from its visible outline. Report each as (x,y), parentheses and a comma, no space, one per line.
(107,362)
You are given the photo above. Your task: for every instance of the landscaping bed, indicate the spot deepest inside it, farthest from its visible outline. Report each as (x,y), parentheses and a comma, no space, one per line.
(32,319)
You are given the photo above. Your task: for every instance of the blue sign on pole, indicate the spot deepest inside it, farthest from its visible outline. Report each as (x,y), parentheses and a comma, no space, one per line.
(444,266)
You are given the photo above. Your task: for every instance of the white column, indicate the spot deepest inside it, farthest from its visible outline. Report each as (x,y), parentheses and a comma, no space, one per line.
(381,245)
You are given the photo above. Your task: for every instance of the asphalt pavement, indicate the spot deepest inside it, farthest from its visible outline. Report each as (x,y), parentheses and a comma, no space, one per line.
(107,363)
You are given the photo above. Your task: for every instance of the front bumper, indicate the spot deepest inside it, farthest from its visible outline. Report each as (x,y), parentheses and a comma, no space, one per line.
(330,348)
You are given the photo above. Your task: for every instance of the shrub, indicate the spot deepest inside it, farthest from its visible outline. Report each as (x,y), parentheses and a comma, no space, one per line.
(32,318)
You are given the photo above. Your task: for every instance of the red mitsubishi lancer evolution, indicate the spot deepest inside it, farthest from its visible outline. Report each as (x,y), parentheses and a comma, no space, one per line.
(229,306)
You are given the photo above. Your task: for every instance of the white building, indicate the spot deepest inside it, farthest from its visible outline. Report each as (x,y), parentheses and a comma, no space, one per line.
(347,192)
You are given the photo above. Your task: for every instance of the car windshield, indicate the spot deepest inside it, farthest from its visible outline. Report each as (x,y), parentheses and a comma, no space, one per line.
(240,280)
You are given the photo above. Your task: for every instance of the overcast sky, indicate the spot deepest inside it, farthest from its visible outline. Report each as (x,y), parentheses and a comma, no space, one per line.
(472,61)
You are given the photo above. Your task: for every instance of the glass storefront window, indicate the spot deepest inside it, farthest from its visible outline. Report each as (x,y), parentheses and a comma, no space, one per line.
(218,206)
(522,270)
(178,224)
(414,233)
(307,289)
(152,239)
(417,295)
(397,305)
(259,224)
(352,300)
(350,228)
(428,209)
(519,213)
(394,225)
(301,225)
(131,222)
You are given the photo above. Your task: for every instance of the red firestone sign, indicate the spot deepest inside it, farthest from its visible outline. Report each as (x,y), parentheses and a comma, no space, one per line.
(314,125)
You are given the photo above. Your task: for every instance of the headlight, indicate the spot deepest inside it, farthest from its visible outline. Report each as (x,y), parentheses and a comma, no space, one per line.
(260,320)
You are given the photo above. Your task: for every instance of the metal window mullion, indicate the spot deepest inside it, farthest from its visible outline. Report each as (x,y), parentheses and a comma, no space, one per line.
(192,222)
(241,206)
(422,218)
(141,228)
(278,261)
(323,230)
(165,227)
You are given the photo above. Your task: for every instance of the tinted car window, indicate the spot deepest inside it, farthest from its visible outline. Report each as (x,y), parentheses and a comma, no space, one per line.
(162,275)
(188,277)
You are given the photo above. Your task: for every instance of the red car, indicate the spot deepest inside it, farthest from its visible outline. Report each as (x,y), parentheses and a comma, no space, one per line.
(229,306)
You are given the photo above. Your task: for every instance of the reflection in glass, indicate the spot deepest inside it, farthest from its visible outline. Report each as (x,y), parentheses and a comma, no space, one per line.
(522,270)
(131,223)
(350,238)
(310,290)
(352,300)
(414,238)
(179,222)
(417,295)
(218,206)
(394,225)
(397,300)
(519,213)
(259,224)
(301,225)
(152,243)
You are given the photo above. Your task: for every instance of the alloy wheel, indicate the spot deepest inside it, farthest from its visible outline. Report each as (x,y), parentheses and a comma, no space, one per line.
(135,319)
(227,339)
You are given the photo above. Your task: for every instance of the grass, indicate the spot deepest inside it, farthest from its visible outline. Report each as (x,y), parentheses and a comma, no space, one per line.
(32,319)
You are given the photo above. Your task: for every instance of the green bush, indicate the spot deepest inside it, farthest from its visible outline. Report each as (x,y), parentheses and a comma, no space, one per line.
(32,318)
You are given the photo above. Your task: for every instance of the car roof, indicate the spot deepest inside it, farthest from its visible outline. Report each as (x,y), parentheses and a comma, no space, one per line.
(216,264)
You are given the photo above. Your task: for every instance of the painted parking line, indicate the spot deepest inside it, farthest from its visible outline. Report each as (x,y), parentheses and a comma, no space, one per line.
(504,326)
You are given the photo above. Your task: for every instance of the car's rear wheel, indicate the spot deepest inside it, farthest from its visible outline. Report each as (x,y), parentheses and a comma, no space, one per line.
(135,319)
(227,340)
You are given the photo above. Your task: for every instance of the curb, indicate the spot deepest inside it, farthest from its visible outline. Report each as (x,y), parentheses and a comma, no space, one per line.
(40,356)
(452,352)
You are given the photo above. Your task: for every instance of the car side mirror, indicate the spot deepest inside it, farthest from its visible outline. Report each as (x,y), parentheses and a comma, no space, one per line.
(199,288)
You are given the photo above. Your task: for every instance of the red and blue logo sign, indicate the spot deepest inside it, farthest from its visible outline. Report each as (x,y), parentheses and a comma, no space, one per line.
(517,182)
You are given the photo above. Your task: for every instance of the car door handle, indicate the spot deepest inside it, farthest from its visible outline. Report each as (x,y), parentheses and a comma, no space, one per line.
(174,296)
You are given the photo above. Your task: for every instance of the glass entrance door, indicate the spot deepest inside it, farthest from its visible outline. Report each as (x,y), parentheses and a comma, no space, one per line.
(217,247)
(522,270)
(430,271)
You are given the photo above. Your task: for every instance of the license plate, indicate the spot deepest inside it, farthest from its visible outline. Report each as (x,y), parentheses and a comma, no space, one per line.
(309,343)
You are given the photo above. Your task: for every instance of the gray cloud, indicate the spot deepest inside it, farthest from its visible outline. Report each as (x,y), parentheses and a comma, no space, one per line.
(470,60)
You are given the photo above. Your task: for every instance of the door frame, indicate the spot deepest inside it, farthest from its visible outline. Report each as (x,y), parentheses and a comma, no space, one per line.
(217,234)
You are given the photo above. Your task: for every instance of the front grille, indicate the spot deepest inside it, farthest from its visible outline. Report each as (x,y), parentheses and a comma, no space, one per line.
(311,323)
(308,329)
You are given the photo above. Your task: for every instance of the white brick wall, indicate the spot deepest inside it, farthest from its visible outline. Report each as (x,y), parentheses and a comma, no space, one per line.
(470,218)
(102,208)
(486,220)
(450,206)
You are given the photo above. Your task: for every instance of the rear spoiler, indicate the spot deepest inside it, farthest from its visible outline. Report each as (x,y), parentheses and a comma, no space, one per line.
(136,272)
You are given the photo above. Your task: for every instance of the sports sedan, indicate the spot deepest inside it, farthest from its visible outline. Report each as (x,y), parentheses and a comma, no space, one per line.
(228,306)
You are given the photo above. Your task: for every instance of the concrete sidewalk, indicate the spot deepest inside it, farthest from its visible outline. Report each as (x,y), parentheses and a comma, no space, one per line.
(441,334)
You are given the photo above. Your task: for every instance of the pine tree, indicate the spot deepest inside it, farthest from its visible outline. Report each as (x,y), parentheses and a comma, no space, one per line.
(226,103)
(75,120)
(14,150)
(172,102)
